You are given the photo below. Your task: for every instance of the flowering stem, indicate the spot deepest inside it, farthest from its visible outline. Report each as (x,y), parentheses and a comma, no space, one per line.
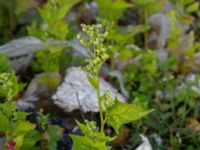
(100,107)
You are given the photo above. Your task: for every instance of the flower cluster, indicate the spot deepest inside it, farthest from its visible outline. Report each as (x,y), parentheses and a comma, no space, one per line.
(91,126)
(7,85)
(94,43)
(106,100)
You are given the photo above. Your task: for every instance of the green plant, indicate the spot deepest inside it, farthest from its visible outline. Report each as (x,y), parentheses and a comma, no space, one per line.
(51,63)
(146,9)
(14,124)
(53,27)
(46,135)
(10,13)
(115,113)
(4,63)
(165,87)
(52,13)
(22,135)
(9,87)
(120,39)
(112,10)
(164,84)
(142,78)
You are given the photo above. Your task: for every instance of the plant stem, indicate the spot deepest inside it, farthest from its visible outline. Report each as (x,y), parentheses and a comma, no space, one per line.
(100,107)
(145,33)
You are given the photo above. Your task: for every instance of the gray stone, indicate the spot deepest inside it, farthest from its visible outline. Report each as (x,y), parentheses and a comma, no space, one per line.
(21,51)
(36,89)
(2,141)
(76,92)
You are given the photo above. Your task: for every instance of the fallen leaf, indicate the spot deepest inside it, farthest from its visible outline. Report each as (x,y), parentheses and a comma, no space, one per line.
(193,124)
(122,136)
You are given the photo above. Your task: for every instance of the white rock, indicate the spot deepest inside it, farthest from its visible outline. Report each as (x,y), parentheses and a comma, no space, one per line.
(157,139)
(35,90)
(160,24)
(21,51)
(196,87)
(145,145)
(22,46)
(2,142)
(76,92)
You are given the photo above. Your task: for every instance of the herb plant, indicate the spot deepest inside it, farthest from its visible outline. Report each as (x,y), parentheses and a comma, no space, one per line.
(52,13)
(113,112)
(9,87)
(14,124)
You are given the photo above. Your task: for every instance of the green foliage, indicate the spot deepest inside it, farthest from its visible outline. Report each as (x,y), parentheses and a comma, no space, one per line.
(4,63)
(10,13)
(46,136)
(112,10)
(146,9)
(92,138)
(85,143)
(142,78)
(96,39)
(14,123)
(193,7)
(106,101)
(150,6)
(54,137)
(53,13)
(42,120)
(51,63)
(120,37)
(169,86)
(120,113)
(22,6)
(9,87)
(92,81)
(165,87)
(32,137)
(114,113)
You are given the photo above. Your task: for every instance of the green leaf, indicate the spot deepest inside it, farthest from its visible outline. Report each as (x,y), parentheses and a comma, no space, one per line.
(149,6)
(83,128)
(85,143)
(193,8)
(30,139)
(19,141)
(95,135)
(4,122)
(125,54)
(54,136)
(42,120)
(144,2)
(22,6)
(21,115)
(8,108)
(4,63)
(23,126)
(53,13)
(66,5)
(184,2)
(112,10)
(10,90)
(121,113)
(92,81)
